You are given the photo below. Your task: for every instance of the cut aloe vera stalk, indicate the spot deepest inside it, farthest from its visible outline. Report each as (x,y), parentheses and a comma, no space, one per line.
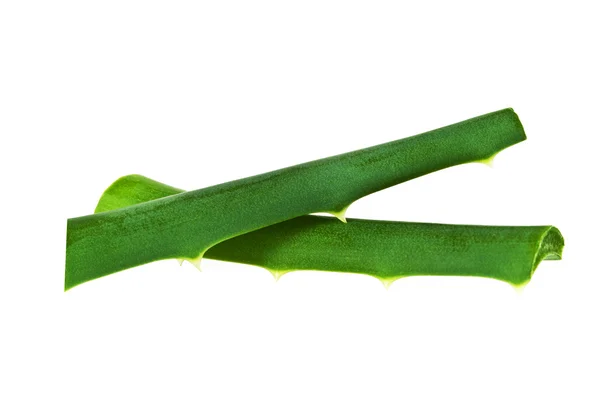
(383,249)
(186,225)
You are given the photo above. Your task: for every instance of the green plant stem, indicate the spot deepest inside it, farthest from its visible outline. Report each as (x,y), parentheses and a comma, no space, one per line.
(186,225)
(383,249)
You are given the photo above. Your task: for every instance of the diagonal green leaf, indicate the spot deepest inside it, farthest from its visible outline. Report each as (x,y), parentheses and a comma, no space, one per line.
(186,225)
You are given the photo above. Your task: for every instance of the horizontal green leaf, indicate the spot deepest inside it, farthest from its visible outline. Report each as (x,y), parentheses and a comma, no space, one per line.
(386,250)
(186,225)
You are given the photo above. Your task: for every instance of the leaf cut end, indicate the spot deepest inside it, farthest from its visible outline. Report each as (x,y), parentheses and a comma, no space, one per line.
(550,247)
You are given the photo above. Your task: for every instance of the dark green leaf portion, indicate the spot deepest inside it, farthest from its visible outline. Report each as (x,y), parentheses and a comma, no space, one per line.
(383,249)
(186,225)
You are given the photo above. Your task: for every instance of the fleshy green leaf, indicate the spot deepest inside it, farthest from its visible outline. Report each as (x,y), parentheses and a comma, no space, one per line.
(186,225)
(383,249)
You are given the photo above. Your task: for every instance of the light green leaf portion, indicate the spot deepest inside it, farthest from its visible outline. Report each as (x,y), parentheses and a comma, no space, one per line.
(186,225)
(386,250)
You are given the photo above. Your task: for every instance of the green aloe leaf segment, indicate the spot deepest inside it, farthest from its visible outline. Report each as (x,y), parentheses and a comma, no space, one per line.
(383,249)
(186,225)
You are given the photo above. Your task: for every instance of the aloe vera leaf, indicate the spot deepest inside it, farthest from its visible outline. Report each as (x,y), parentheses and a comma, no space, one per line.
(383,249)
(187,224)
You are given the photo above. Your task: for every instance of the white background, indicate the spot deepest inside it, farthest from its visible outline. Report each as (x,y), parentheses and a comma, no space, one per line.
(198,93)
